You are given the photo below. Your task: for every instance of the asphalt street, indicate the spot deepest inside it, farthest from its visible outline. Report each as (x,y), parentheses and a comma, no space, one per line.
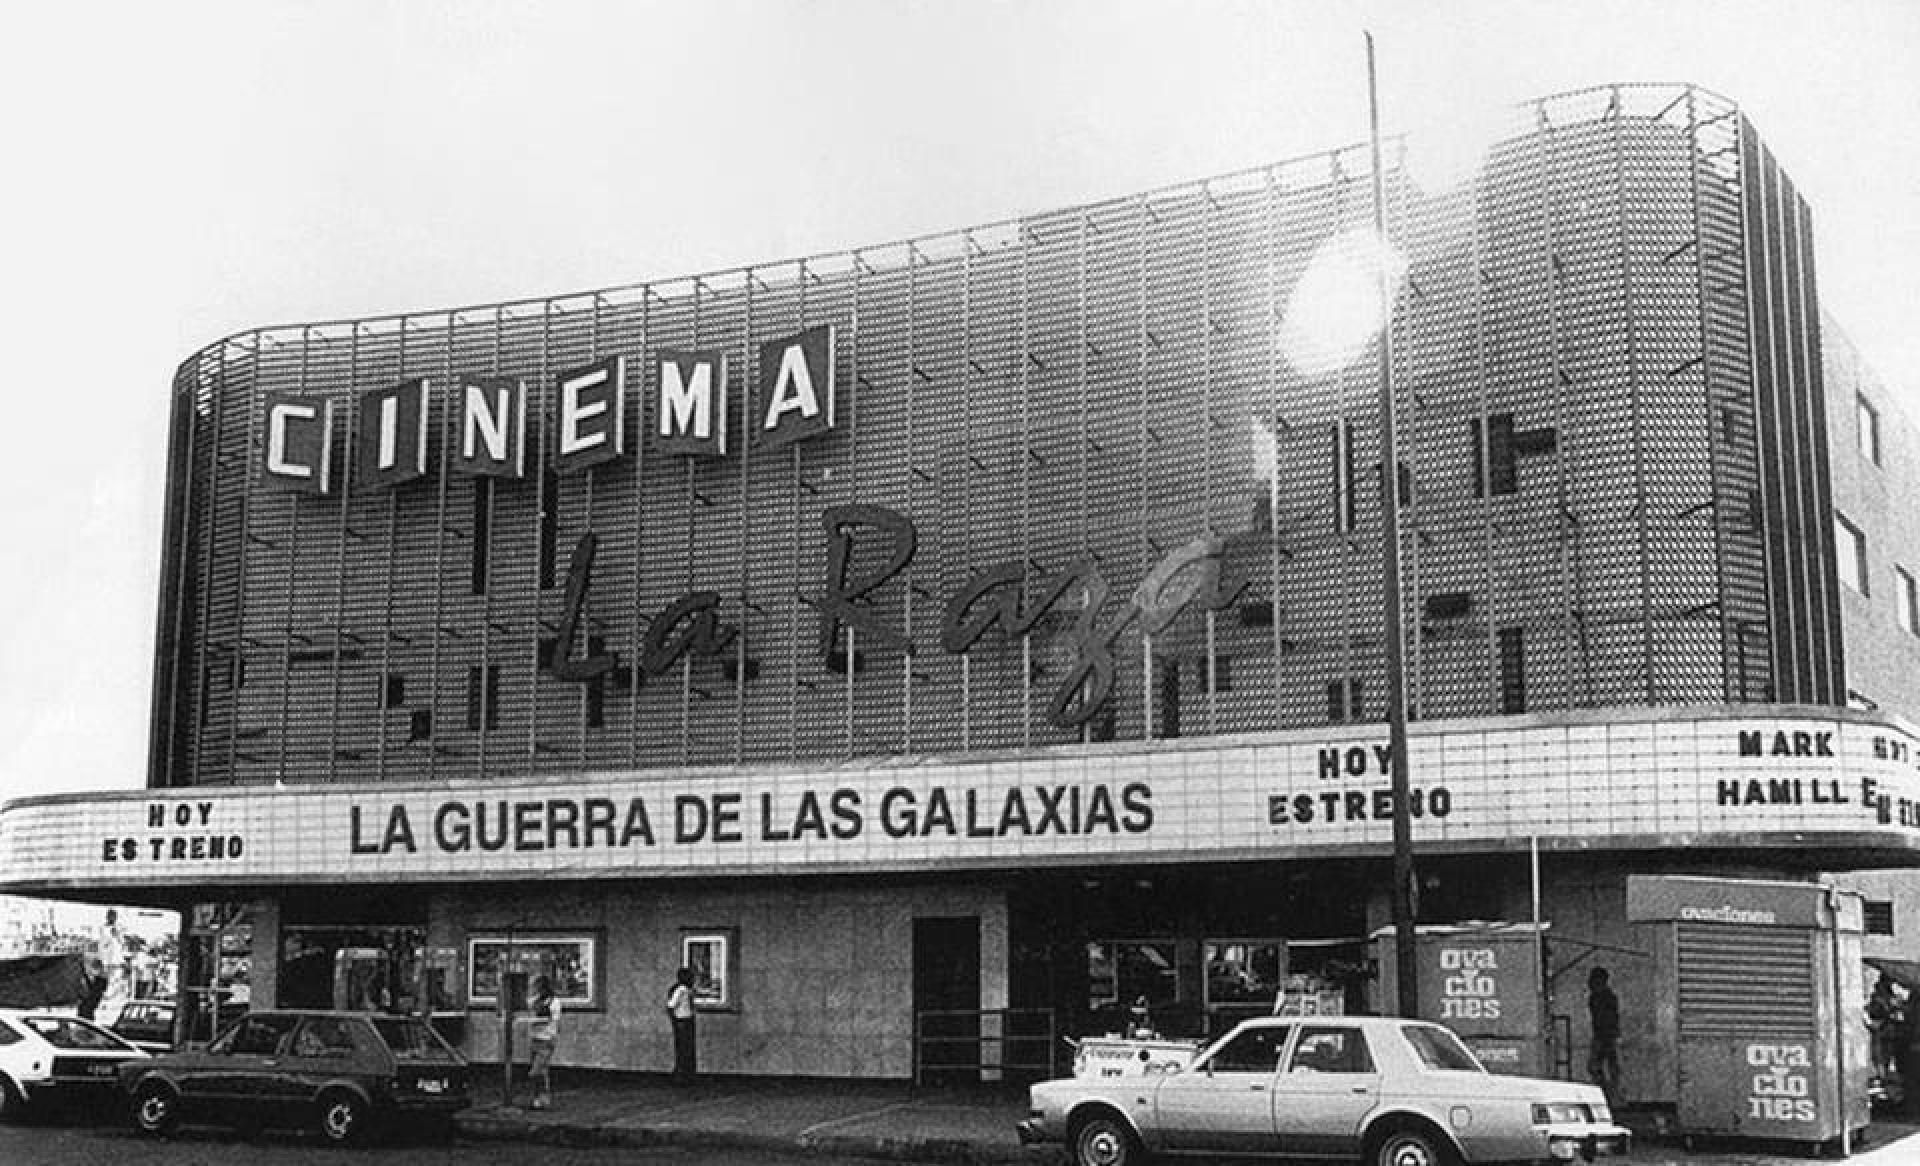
(48,1144)
(68,1144)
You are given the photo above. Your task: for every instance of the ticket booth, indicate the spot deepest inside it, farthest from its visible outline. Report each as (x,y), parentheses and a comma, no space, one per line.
(1483,981)
(1759,992)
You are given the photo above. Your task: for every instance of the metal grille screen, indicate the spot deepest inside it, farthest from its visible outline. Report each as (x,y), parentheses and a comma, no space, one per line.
(1745,981)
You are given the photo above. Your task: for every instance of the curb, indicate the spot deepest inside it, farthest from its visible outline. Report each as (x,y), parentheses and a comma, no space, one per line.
(950,1151)
(945,1150)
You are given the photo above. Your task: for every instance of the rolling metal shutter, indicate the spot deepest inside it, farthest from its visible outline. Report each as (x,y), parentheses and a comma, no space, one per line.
(1745,981)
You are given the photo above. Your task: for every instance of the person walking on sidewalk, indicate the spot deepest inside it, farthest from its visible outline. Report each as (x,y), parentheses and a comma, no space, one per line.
(543,1032)
(1603,1012)
(681,1010)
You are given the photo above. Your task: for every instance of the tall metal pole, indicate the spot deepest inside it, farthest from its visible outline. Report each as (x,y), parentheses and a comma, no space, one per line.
(1405,971)
(1543,984)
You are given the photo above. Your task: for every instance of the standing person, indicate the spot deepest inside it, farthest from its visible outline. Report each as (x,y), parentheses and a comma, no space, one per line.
(543,1032)
(93,985)
(1140,1021)
(1883,1024)
(1603,1013)
(1906,1057)
(680,1009)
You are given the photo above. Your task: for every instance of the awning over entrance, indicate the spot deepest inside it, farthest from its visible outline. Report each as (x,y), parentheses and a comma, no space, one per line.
(1905,973)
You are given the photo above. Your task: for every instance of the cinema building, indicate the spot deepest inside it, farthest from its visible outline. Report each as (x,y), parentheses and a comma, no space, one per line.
(992,623)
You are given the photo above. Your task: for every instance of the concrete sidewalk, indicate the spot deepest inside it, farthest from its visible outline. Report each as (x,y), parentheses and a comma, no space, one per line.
(892,1121)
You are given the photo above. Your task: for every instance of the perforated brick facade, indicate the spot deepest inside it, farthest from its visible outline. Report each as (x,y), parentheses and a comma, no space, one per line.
(1605,407)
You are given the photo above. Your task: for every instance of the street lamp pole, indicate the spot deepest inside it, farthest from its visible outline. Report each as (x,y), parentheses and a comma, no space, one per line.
(1405,970)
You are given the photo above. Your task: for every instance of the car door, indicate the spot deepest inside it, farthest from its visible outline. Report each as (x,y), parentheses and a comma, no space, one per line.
(231,1075)
(1223,1104)
(322,1050)
(1332,1082)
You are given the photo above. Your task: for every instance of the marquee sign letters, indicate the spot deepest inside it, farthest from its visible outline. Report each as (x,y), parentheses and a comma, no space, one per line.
(491,438)
(390,439)
(299,445)
(691,417)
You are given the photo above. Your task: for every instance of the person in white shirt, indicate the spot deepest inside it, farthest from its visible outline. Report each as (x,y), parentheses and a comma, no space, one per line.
(681,1009)
(543,1032)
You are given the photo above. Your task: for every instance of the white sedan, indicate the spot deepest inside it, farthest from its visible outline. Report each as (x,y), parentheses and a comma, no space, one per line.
(1389,1091)
(50,1056)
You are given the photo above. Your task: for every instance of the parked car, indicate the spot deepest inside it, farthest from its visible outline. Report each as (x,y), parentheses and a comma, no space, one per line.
(1392,1092)
(49,1057)
(337,1073)
(149,1022)
(146,1023)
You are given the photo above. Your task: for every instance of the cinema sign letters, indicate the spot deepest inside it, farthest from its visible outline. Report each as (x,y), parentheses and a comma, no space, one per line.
(488,426)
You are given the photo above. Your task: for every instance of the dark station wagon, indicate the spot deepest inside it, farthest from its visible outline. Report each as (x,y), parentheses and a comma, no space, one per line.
(336,1073)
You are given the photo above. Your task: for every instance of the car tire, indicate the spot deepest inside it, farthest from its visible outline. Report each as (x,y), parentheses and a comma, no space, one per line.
(155,1109)
(1410,1146)
(12,1104)
(1104,1140)
(341,1117)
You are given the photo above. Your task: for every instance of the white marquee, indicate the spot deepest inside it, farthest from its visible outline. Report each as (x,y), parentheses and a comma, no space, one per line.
(1649,778)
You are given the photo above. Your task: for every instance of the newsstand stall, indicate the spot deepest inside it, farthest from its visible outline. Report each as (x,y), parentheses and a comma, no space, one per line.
(1121,1056)
(1482,980)
(1759,992)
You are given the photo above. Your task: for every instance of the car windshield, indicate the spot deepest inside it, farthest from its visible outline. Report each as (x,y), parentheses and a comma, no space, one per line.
(1438,1048)
(412,1039)
(67,1032)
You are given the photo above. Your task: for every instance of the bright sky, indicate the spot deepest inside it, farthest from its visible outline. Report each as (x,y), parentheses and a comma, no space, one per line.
(179,172)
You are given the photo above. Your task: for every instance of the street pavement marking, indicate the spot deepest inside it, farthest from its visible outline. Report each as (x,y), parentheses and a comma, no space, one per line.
(814,1129)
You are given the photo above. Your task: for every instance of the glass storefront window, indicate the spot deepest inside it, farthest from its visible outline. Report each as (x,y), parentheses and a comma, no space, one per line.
(568,961)
(440,981)
(709,955)
(1326,976)
(1122,971)
(362,968)
(1244,972)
